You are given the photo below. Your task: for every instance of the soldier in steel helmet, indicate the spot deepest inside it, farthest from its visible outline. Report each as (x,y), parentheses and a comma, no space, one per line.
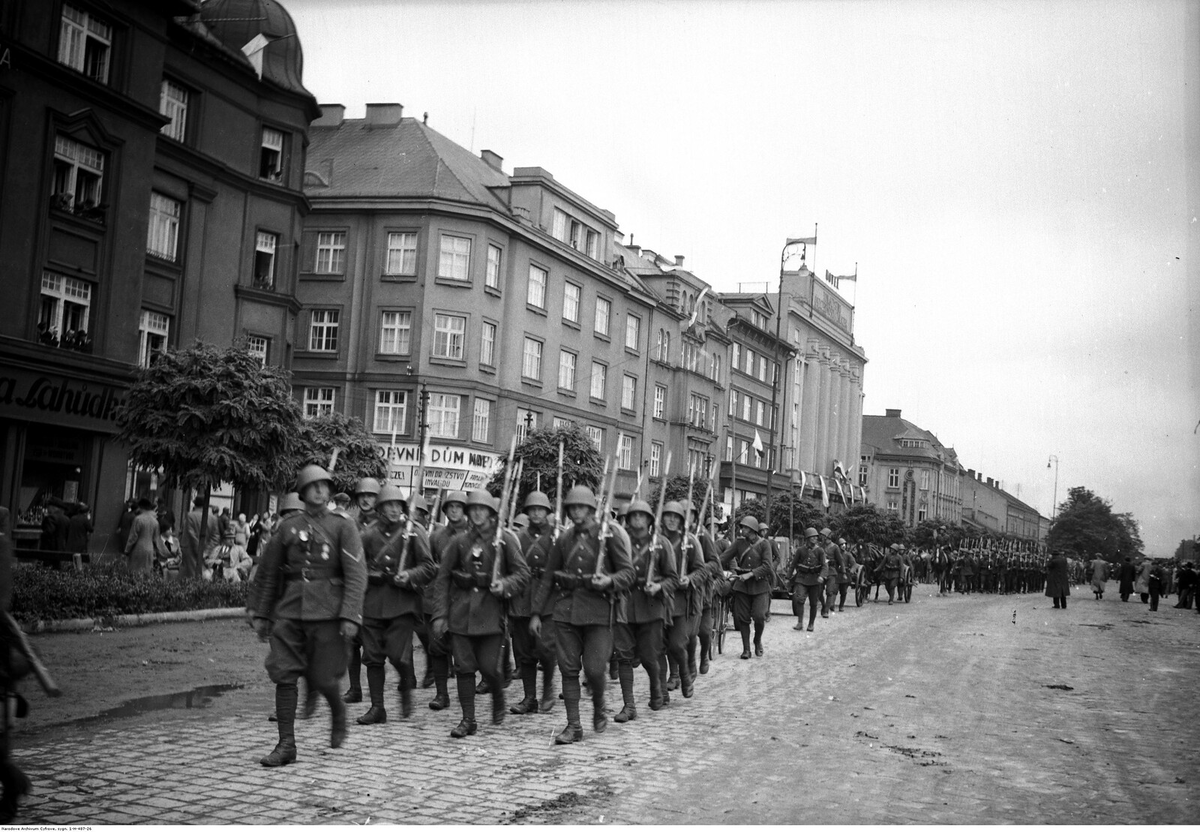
(685,601)
(836,575)
(313,579)
(478,572)
(807,574)
(532,651)
(703,638)
(366,492)
(890,569)
(398,565)
(454,508)
(588,565)
(647,608)
(749,559)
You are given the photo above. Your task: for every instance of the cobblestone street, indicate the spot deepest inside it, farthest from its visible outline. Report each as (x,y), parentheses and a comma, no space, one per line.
(939,711)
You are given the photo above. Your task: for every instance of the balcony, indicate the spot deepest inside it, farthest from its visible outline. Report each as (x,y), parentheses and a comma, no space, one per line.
(73,339)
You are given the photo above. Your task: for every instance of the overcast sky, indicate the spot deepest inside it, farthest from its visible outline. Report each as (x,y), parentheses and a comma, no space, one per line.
(1011,179)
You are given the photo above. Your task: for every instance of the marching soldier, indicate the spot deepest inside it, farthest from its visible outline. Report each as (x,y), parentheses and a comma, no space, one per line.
(807,574)
(750,560)
(310,605)
(366,491)
(454,508)
(836,577)
(588,565)
(890,570)
(532,650)
(712,560)
(685,602)
(646,609)
(398,564)
(481,568)
(846,574)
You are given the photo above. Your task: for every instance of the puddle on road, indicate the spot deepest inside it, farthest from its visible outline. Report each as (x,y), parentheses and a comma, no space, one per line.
(200,697)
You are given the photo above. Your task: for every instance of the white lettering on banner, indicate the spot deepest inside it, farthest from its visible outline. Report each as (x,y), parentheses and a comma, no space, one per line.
(446,466)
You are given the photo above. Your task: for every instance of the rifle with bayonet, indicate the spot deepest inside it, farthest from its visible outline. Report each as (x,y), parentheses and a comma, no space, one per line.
(505,496)
(558,495)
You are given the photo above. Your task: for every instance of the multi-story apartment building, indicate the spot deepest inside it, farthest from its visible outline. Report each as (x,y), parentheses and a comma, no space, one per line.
(149,153)
(987,507)
(906,469)
(444,298)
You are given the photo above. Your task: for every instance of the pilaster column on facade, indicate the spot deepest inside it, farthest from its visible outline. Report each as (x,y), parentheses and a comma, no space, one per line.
(854,439)
(809,406)
(825,404)
(796,379)
(846,412)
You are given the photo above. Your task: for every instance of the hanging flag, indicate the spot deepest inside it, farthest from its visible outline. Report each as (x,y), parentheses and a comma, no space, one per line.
(696,307)
(802,241)
(824,492)
(834,279)
(758,444)
(803,482)
(841,493)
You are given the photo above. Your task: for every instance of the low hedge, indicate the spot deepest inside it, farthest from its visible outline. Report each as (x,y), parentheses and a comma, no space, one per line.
(102,591)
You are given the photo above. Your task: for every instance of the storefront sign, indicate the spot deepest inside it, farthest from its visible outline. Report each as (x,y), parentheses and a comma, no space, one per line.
(446,466)
(59,400)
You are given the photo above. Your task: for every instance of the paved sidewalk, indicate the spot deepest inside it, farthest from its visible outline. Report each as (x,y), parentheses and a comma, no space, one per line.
(938,711)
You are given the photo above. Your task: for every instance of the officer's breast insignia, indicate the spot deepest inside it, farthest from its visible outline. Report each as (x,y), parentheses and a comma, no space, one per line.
(325,551)
(476,552)
(303,536)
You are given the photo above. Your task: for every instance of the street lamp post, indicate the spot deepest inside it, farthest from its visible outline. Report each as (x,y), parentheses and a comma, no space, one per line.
(1054,507)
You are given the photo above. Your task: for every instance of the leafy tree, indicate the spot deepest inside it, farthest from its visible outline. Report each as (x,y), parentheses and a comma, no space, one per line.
(1086,524)
(867,524)
(204,415)
(582,463)
(932,532)
(789,507)
(358,452)
(755,508)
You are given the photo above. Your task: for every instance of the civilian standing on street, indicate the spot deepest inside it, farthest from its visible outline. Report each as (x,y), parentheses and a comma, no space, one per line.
(1099,570)
(1155,584)
(79,530)
(145,541)
(1058,580)
(1126,576)
(196,543)
(312,583)
(1185,582)
(1142,585)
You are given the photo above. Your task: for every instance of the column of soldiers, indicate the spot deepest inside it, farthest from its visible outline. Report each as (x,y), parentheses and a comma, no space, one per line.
(369,577)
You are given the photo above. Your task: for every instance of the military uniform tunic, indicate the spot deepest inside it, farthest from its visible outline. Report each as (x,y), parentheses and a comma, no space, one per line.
(390,612)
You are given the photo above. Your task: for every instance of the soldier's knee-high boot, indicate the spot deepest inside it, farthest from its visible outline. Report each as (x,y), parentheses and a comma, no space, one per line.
(337,730)
(466,699)
(549,694)
(354,692)
(654,672)
(672,665)
(377,713)
(744,629)
(441,678)
(285,714)
(599,717)
(574,731)
(625,676)
(664,686)
(691,655)
(529,703)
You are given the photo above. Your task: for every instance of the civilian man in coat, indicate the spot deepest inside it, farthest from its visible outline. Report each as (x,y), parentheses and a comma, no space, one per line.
(398,564)
(1099,571)
(1126,575)
(196,544)
(1058,580)
(477,574)
(310,606)
(749,558)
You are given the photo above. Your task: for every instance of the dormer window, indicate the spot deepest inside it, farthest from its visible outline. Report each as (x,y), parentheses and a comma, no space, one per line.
(85,43)
(270,160)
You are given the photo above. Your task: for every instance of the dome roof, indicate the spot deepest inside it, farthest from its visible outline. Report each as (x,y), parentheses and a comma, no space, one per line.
(238,22)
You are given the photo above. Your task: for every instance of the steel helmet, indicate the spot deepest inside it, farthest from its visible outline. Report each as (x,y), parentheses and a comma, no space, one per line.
(341,497)
(674,507)
(480,497)
(310,474)
(367,485)
(459,497)
(750,522)
(537,499)
(521,521)
(388,494)
(841,541)
(580,495)
(639,506)
(290,502)
(825,531)
(810,532)
(417,503)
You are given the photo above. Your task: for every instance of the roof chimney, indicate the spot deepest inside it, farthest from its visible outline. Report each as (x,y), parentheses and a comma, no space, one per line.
(990,481)
(332,115)
(635,249)
(892,412)
(679,261)
(493,160)
(384,115)
(971,473)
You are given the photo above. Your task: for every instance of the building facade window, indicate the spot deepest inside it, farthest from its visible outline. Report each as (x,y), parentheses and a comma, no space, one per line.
(628,392)
(660,402)
(527,421)
(66,306)
(270,155)
(863,471)
(487,344)
(715,368)
(571,294)
(625,453)
(697,411)
(395,333)
(925,480)
(597,436)
(535,294)
(733,396)
(154,329)
(331,252)
(449,333)
(318,401)
(492,278)
(599,380)
(893,506)
(85,43)
(442,415)
(401,254)
(747,407)
(173,103)
(531,360)
(481,420)
(391,411)
(592,244)
(78,175)
(656,458)
(662,349)
(454,259)
(162,239)
(323,330)
(633,332)
(265,244)
(759,409)
(259,347)
(603,312)
(893,478)
(566,370)
(736,356)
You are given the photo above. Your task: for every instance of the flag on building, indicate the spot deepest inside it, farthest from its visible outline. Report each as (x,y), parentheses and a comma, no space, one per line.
(758,445)
(696,308)
(834,279)
(824,492)
(841,493)
(803,482)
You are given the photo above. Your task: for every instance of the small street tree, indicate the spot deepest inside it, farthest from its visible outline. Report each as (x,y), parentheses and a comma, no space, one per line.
(867,524)
(1086,524)
(205,415)
(582,463)
(791,514)
(358,452)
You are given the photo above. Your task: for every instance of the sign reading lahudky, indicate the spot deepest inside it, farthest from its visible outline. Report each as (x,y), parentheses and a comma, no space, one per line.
(446,466)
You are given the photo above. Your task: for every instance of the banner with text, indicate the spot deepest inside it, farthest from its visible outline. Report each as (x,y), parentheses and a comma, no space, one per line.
(447,467)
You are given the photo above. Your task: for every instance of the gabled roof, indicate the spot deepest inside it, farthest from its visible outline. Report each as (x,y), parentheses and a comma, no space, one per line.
(883,433)
(405,159)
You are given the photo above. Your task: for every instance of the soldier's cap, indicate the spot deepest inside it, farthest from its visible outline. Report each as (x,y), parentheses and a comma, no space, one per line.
(810,532)
(826,531)
(290,502)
